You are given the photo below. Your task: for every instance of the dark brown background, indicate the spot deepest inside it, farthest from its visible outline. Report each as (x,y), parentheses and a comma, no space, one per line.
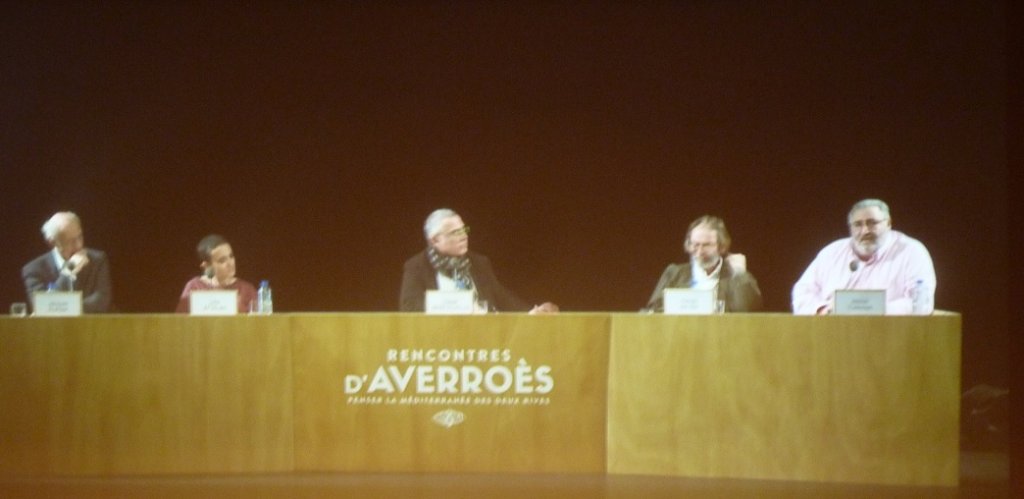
(578,139)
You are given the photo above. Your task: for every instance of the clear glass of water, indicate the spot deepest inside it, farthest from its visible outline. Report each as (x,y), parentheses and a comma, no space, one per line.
(19,309)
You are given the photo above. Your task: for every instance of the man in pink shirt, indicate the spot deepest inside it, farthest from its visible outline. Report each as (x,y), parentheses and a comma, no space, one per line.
(873,257)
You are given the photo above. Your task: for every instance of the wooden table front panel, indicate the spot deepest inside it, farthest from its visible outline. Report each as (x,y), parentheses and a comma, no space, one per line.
(342,424)
(773,396)
(145,394)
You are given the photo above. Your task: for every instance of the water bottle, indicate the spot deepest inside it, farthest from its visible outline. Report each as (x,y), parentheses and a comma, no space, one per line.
(264,298)
(920,298)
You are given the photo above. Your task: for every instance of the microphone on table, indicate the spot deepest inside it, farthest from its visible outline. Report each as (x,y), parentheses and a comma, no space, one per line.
(70,266)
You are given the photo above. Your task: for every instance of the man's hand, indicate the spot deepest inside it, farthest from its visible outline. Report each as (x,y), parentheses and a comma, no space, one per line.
(738,262)
(544,308)
(77,262)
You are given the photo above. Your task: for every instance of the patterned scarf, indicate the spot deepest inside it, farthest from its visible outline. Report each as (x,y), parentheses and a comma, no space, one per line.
(455,268)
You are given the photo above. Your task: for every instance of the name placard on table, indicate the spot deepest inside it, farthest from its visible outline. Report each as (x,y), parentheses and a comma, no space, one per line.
(687,301)
(450,302)
(57,304)
(859,302)
(213,302)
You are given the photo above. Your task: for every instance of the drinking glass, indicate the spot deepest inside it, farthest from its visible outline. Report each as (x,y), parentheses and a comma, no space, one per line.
(19,309)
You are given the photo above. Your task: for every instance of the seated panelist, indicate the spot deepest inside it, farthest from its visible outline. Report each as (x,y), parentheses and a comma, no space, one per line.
(69,265)
(217,262)
(447,264)
(710,266)
(874,257)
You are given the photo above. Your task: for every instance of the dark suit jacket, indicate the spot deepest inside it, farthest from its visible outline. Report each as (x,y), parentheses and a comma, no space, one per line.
(93,280)
(740,292)
(419,276)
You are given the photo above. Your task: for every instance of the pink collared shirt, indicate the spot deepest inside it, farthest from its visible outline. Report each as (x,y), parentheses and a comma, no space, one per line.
(895,267)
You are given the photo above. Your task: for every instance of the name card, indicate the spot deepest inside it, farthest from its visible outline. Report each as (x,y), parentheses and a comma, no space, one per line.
(213,302)
(685,301)
(450,302)
(57,304)
(859,302)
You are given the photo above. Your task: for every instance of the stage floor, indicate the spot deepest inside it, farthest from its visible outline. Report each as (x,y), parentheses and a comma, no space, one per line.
(983,475)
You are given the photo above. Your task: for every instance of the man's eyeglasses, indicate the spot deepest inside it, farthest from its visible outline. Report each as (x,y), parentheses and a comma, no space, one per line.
(461,231)
(698,246)
(869,223)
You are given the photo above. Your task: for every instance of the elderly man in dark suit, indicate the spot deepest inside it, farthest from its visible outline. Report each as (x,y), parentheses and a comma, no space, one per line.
(70,265)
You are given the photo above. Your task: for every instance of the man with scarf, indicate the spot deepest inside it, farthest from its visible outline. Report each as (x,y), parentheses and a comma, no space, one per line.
(447,264)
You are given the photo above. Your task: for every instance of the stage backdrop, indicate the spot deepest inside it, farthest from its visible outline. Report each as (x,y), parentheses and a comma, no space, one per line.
(577,139)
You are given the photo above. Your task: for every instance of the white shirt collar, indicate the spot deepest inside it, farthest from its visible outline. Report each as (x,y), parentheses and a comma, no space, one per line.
(58,259)
(701,279)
